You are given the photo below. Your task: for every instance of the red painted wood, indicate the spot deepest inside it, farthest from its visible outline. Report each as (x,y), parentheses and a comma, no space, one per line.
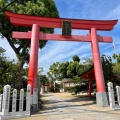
(89,87)
(48,22)
(97,62)
(33,62)
(88,75)
(77,38)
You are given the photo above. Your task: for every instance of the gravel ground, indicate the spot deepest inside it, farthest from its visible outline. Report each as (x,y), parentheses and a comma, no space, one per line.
(64,106)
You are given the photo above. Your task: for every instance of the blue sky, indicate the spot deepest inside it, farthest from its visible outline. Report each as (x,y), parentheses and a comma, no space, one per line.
(56,51)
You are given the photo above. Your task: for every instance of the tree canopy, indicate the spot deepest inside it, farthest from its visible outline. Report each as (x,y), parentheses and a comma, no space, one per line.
(116,68)
(43,80)
(34,7)
(76,58)
(116,57)
(107,68)
(62,70)
(53,70)
(72,70)
(8,73)
(69,69)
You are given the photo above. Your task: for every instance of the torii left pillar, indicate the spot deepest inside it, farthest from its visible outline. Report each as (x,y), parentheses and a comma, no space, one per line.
(33,62)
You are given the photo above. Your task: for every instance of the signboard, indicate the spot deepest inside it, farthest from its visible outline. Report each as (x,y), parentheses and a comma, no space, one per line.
(66,28)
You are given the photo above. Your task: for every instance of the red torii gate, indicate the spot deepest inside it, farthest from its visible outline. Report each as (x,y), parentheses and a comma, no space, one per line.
(35,35)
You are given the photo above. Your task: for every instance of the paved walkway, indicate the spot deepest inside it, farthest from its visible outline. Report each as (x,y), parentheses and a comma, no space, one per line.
(63,107)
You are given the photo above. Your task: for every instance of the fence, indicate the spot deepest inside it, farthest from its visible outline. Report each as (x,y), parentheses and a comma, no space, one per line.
(8,106)
(114,97)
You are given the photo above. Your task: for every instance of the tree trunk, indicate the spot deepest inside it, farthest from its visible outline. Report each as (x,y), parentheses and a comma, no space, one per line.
(20,63)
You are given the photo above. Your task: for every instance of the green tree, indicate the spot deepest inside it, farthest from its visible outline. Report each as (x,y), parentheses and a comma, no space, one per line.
(85,65)
(76,58)
(49,74)
(34,7)
(116,69)
(77,79)
(117,57)
(73,69)
(53,70)
(107,67)
(69,69)
(62,70)
(43,80)
(8,73)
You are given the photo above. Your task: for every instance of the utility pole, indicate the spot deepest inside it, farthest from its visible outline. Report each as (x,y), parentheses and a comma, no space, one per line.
(115,54)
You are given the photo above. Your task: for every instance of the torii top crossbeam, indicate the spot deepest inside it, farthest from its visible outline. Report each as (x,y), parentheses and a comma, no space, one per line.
(48,22)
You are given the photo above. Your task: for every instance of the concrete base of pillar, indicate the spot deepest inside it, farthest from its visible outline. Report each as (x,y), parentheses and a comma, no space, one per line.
(102,99)
(34,108)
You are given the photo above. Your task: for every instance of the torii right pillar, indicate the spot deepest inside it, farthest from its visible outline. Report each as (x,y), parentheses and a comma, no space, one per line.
(101,95)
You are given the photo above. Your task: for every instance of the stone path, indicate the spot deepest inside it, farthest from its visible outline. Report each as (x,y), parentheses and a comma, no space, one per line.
(58,107)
